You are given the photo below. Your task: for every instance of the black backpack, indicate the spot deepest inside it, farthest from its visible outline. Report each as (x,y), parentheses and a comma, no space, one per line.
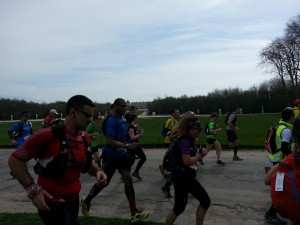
(227,115)
(57,167)
(20,131)
(206,129)
(163,130)
(103,125)
(172,161)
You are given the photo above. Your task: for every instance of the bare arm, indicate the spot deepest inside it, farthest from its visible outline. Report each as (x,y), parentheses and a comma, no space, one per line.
(214,131)
(191,160)
(232,126)
(132,136)
(100,175)
(268,176)
(20,170)
(117,144)
(34,192)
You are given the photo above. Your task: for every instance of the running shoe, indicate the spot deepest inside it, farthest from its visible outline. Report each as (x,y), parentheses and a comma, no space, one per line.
(136,175)
(85,208)
(272,218)
(220,162)
(236,158)
(139,215)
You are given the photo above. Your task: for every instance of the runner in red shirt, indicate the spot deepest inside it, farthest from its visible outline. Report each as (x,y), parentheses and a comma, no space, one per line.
(50,118)
(56,193)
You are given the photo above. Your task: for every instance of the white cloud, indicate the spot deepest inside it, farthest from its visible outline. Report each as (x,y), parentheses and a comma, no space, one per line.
(52,50)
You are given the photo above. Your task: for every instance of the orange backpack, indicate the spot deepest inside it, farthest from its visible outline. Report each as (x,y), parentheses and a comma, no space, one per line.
(287,202)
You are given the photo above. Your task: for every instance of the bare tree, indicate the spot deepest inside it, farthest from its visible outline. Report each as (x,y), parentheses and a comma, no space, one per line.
(292,35)
(282,56)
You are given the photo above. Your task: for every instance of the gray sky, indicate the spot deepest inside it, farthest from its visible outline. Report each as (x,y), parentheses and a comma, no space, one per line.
(135,49)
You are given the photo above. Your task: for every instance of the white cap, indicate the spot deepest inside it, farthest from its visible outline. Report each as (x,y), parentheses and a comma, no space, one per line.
(53,111)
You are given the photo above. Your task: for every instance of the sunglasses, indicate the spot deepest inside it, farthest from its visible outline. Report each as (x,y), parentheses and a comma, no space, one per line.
(87,115)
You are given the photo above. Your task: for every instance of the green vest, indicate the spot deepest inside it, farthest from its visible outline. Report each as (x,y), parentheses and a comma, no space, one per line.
(278,156)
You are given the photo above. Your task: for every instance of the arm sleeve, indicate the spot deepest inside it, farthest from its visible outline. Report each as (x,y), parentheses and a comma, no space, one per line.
(285,148)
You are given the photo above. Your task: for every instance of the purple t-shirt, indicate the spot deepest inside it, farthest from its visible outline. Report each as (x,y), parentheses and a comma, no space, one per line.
(184,147)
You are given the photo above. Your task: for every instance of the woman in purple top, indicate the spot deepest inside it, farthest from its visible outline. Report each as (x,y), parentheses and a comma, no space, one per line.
(185,181)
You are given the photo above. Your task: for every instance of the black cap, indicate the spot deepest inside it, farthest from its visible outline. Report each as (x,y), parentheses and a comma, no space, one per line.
(131,117)
(287,113)
(25,113)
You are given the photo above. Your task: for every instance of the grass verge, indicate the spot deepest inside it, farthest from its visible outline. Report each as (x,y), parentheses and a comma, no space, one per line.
(34,219)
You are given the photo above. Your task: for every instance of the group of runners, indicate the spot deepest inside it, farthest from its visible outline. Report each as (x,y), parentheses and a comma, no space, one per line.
(62,153)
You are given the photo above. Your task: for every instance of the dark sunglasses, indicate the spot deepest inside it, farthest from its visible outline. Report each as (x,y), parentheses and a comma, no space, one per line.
(87,115)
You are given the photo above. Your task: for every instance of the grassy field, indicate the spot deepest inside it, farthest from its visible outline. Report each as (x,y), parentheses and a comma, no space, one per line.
(34,219)
(252,132)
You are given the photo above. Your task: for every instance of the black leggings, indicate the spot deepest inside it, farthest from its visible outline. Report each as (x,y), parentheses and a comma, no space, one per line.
(141,154)
(185,184)
(61,213)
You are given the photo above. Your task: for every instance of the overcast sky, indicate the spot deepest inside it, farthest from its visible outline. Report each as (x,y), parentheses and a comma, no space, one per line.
(135,49)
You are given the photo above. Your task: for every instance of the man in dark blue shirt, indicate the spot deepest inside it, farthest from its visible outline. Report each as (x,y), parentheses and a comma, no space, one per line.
(115,158)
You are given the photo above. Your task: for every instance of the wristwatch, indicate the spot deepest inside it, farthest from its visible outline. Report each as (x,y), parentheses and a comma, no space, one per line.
(126,145)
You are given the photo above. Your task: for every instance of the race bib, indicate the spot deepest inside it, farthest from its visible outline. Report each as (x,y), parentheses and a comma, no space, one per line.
(279,181)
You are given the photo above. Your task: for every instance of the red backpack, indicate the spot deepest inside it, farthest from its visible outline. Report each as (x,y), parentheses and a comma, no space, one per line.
(287,202)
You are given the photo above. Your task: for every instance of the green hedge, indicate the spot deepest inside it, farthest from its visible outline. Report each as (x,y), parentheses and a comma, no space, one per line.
(253,128)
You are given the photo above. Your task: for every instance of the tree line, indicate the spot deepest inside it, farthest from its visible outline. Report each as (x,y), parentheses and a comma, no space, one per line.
(267,98)
(13,108)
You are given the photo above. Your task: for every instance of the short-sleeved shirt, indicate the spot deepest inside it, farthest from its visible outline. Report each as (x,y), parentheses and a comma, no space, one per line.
(232,119)
(93,128)
(48,121)
(44,146)
(186,148)
(135,132)
(116,128)
(170,124)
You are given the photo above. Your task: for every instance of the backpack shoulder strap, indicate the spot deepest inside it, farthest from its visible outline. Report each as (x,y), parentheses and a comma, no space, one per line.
(88,155)
(285,165)
(20,123)
(58,129)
